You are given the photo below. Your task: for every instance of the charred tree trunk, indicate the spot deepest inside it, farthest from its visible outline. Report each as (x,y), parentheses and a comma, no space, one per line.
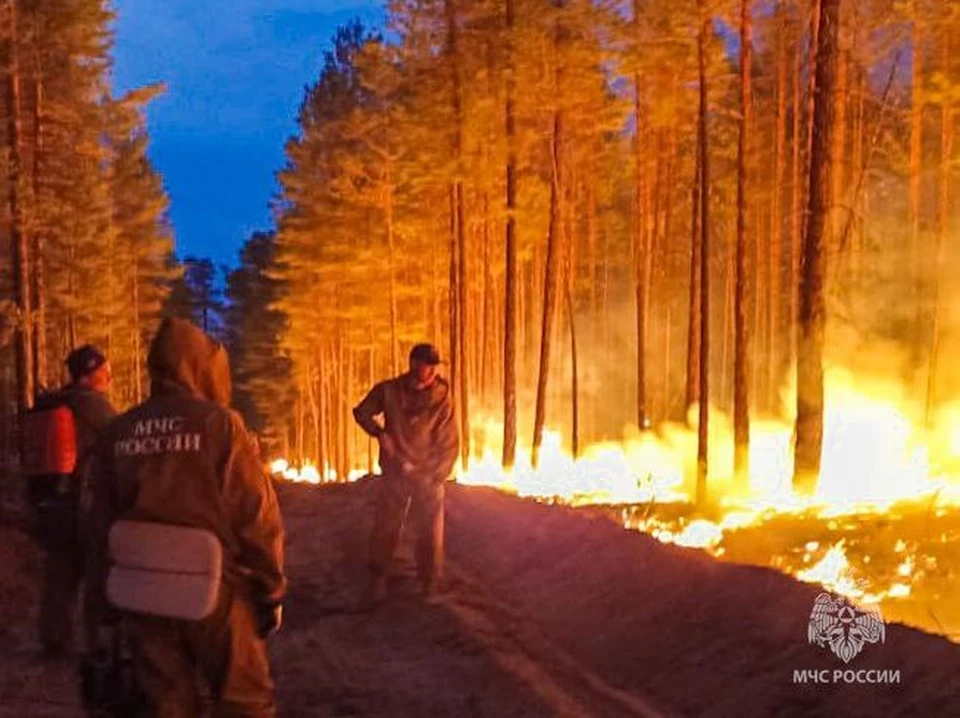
(812,319)
(741,359)
(19,243)
(704,398)
(510,276)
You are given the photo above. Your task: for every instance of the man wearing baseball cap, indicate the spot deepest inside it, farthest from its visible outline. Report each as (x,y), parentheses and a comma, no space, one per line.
(86,397)
(419,445)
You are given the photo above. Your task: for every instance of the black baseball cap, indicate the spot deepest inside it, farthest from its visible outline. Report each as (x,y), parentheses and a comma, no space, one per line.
(426,354)
(85,360)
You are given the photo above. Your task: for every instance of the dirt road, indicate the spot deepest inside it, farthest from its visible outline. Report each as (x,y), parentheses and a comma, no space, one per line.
(548,612)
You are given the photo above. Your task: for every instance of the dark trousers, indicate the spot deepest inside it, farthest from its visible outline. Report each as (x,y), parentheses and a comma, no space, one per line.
(173,657)
(62,574)
(424,500)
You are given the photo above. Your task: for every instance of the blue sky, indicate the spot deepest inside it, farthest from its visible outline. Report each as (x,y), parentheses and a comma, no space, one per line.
(235,72)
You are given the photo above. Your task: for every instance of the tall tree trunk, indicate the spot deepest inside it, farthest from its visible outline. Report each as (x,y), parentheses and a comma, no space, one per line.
(323,412)
(574,381)
(371,380)
(39,284)
(809,430)
(453,296)
(392,258)
(551,278)
(641,249)
(137,335)
(916,148)
(19,244)
(796,202)
(946,158)
(510,276)
(704,398)
(462,290)
(693,304)
(775,258)
(741,360)
(300,425)
(856,163)
(487,309)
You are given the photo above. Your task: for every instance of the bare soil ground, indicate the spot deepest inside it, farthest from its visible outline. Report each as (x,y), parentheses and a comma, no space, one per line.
(548,612)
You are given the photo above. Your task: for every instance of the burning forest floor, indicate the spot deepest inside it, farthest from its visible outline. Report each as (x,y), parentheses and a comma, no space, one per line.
(550,611)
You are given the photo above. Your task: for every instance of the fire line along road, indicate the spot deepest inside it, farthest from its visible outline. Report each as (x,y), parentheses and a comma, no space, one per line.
(550,611)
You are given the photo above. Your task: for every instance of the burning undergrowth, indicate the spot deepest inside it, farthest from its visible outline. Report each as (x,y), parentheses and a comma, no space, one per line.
(883,526)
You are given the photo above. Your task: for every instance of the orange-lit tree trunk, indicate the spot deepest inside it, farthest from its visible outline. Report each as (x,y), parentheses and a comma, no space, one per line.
(693,304)
(641,248)
(776,253)
(812,319)
(19,244)
(704,393)
(461,287)
(741,359)
(916,144)
(946,158)
(371,381)
(39,284)
(551,277)
(796,200)
(510,276)
(388,207)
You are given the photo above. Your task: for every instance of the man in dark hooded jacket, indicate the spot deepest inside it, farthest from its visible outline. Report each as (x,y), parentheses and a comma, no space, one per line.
(86,397)
(184,459)
(419,444)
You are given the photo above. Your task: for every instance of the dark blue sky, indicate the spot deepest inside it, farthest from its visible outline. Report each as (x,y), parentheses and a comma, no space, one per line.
(235,72)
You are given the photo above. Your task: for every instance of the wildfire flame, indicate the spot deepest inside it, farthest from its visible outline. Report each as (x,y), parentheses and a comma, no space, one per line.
(873,457)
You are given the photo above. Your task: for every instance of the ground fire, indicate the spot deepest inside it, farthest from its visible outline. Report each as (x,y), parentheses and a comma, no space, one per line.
(883,526)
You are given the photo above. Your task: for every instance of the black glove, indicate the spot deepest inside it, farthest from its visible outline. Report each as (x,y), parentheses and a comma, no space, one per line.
(269,618)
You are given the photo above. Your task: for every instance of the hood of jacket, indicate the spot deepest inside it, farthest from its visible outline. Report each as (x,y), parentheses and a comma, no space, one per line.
(184,357)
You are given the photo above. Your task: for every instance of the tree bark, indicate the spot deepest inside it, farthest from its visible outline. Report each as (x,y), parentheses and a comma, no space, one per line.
(812,319)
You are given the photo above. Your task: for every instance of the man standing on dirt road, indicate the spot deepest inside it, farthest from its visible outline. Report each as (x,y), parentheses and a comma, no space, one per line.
(86,398)
(419,445)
